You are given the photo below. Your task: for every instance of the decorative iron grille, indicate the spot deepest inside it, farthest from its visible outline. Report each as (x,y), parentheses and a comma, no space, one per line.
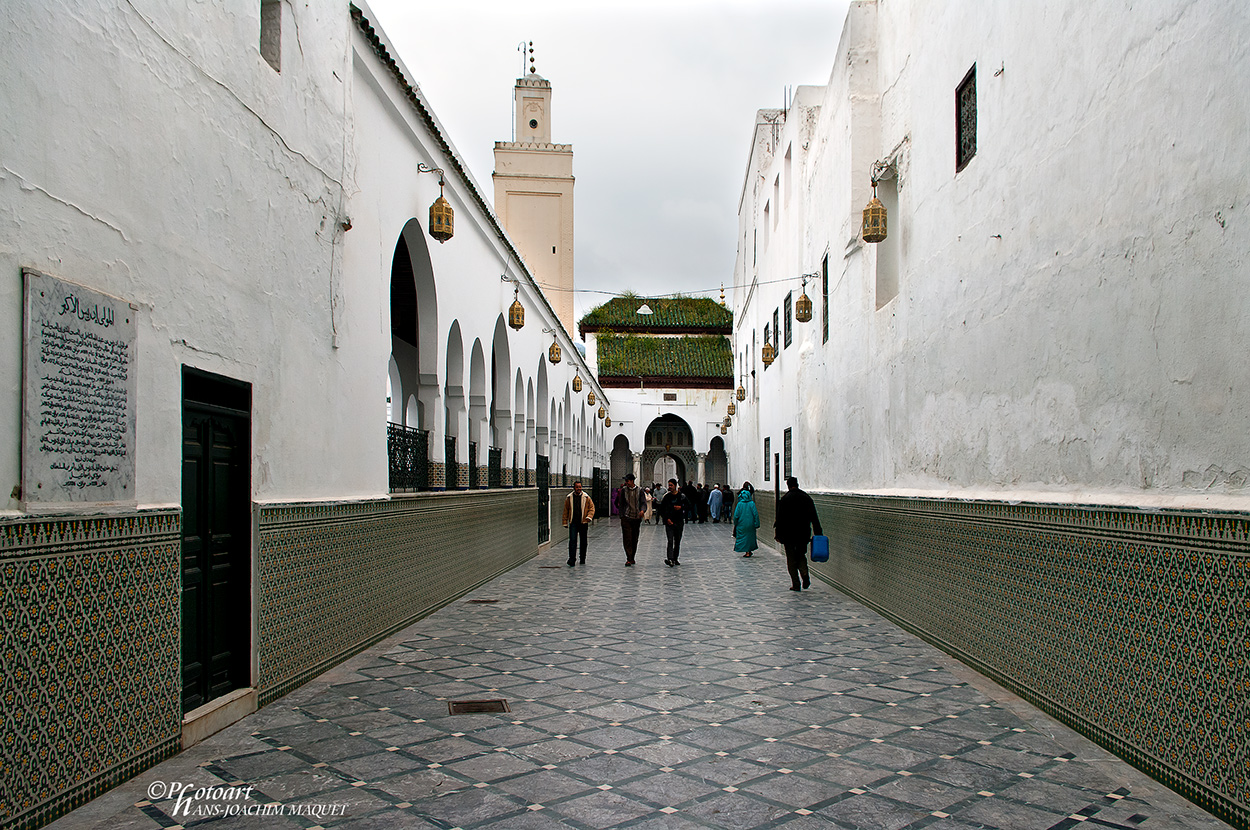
(407,451)
(473,473)
(543,474)
(966,119)
(494,467)
(789,330)
(449,463)
(768,458)
(599,490)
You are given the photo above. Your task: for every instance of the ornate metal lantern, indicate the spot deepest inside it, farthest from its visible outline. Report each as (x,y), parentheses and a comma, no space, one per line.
(770,354)
(603,413)
(516,311)
(723,429)
(874,229)
(728,422)
(803,305)
(607,422)
(732,409)
(554,353)
(577,383)
(590,398)
(742,392)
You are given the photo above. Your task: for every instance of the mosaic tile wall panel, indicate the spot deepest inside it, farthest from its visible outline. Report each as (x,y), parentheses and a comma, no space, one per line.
(1129,626)
(89,642)
(334,578)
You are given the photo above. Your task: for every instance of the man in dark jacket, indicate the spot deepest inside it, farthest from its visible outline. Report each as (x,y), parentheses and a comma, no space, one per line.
(630,505)
(676,510)
(796,516)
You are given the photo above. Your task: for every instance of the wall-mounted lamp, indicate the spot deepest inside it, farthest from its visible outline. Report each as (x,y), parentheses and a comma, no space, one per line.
(603,413)
(728,422)
(607,422)
(723,429)
(516,311)
(769,354)
(577,382)
(442,217)
(590,398)
(874,229)
(742,391)
(732,409)
(553,354)
(803,305)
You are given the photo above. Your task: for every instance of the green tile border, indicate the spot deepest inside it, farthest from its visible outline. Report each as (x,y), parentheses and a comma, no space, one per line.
(1129,626)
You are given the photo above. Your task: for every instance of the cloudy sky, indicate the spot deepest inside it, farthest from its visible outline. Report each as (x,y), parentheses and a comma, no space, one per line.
(657,99)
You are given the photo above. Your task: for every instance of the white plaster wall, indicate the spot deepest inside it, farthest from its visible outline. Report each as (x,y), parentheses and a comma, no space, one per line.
(633,410)
(150,152)
(1070,320)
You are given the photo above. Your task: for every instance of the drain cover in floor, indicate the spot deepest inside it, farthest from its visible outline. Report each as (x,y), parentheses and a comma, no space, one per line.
(473,707)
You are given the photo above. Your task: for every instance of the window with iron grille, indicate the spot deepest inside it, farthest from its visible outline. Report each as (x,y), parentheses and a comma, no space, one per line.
(776,328)
(789,318)
(966,119)
(824,299)
(787,447)
(766,341)
(768,458)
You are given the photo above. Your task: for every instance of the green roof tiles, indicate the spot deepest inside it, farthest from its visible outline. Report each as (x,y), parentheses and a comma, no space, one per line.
(669,314)
(692,356)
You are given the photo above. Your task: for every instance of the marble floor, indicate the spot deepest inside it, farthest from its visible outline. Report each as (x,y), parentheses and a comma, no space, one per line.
(706,695)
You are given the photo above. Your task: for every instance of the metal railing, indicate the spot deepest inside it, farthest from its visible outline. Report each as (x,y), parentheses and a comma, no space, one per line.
(408,452)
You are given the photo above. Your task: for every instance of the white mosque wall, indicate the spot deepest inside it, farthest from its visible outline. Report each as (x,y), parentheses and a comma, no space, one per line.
(1068,316)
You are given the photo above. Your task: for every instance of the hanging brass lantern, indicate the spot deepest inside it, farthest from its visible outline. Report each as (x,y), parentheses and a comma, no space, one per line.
(742,393)
(803,305)
(770,354)
(723,429)
(554,353)
(603,413)
(590,398)
(577,383)
(607,422)
(874,218)
(732,409)
(516,311)
(442,217)
(728,422)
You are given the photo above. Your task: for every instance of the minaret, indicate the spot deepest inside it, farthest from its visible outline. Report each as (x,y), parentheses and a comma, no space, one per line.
(534,194)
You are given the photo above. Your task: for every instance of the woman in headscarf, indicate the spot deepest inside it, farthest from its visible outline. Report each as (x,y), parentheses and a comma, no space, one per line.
(746,520)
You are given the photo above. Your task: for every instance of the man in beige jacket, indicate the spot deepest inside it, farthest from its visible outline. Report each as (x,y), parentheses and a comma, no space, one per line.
(579,509)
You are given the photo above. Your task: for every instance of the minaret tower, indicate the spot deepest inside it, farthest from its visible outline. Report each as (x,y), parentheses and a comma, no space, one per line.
(534,193)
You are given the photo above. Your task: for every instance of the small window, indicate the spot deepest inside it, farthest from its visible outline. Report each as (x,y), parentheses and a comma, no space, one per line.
(768,458)
(824,299)
(789,330)
(271,33)
(776,326)
(786,448)
(670,396)
(966,119)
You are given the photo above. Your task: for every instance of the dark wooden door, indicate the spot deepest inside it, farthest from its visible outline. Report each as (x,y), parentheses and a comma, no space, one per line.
(216,546)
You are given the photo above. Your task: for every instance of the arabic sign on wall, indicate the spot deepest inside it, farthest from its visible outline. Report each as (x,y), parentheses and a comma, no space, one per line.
(78,401)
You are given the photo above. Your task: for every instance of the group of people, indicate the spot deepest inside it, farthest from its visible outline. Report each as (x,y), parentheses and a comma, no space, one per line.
(675,507)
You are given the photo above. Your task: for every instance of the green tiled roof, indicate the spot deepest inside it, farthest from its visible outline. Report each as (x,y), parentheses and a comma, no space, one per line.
(669,314)
(690,356)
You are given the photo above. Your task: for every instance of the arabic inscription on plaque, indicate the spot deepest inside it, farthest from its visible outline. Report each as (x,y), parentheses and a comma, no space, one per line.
(79,438)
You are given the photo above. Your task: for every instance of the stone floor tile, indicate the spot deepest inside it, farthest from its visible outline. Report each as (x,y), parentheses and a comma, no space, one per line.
(653,697)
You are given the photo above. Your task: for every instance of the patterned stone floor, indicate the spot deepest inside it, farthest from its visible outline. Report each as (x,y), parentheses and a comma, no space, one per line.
(706,695)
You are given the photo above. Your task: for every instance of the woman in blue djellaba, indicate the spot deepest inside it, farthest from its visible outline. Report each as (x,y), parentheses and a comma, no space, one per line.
(746,520)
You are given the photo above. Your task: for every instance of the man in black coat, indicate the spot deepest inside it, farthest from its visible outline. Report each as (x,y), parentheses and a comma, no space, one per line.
(796,516)
(676,510)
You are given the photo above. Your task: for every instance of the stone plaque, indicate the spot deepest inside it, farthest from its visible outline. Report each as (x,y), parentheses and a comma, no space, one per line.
(78,394)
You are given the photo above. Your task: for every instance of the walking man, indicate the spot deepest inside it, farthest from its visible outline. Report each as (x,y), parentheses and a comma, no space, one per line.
(714,499)
(676,510)
(796,516)
(630,505)
(579,509)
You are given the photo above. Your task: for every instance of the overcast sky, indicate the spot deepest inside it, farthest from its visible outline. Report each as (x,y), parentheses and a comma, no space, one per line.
(657,99)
